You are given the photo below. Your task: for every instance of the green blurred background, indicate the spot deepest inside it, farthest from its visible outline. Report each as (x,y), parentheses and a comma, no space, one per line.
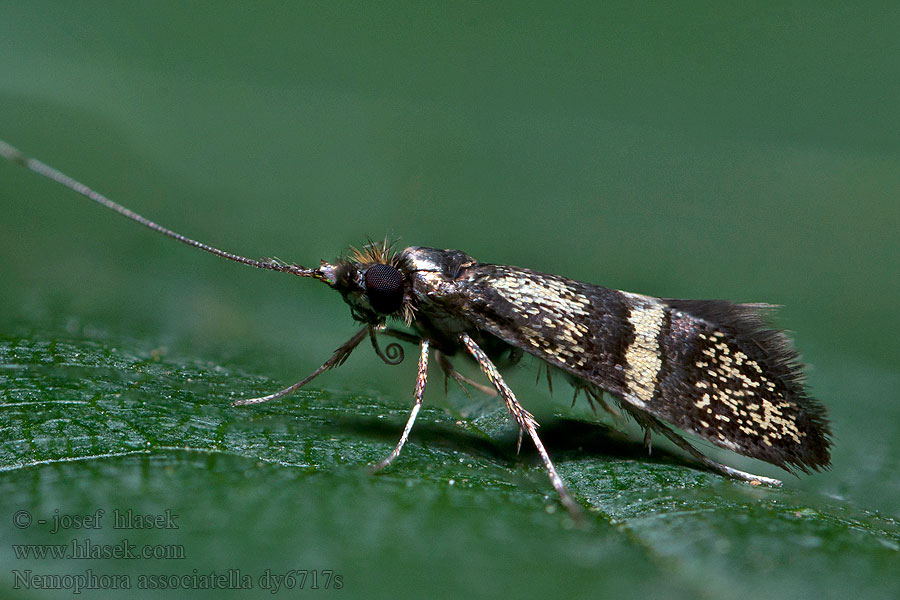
(691,150)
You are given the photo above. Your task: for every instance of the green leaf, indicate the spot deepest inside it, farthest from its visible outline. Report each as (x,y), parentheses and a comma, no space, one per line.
(85,427)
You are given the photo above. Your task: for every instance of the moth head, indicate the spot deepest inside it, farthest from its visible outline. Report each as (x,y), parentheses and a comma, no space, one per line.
(372,283)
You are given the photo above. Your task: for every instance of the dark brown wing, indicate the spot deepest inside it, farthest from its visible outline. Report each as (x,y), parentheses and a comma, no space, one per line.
(712,368)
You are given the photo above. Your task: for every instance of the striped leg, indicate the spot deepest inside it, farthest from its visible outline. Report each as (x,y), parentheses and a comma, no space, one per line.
(525,420)
(420,392)
(336,360)
(650,423)
(724,469)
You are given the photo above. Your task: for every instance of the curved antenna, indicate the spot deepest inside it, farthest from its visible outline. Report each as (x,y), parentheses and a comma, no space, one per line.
(15,156)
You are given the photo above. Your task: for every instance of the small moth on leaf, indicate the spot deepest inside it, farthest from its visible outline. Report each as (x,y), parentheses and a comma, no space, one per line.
(709,367)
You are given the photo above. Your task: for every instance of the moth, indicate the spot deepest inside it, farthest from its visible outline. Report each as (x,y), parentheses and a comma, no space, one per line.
(711,368)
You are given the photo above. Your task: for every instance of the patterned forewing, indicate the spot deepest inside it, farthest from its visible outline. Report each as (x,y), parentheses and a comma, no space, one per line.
(709,367)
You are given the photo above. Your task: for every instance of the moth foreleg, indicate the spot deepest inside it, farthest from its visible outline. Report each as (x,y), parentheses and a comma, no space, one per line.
(417,404)
(525,420)
(336,360)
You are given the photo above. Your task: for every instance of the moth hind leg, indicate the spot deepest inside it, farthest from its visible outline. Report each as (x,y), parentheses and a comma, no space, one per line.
(651,423)
(450,372)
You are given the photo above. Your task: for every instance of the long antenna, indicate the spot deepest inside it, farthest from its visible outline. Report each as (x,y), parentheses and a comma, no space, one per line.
(14,156)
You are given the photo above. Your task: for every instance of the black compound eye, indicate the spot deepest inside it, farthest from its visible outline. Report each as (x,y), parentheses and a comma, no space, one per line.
(384,288)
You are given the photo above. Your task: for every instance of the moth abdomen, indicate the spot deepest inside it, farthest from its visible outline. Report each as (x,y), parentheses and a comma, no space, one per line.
(724,374)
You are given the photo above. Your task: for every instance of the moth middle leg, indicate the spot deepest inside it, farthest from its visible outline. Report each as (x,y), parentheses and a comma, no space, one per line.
(421,379)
